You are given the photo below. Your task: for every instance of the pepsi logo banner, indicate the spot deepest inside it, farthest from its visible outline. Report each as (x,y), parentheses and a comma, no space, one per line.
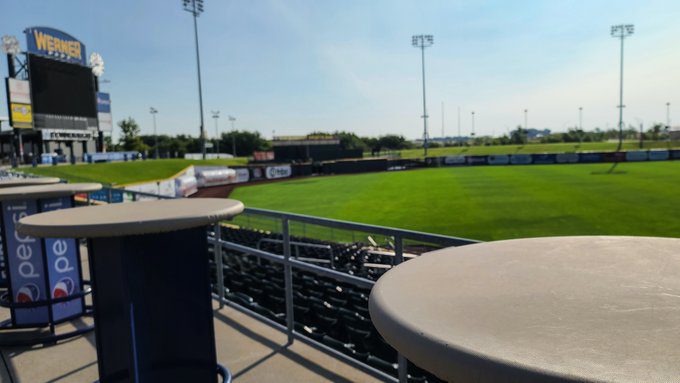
(25,264)
(63,266)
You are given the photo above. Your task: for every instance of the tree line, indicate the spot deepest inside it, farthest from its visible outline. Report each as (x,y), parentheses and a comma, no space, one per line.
(245,143)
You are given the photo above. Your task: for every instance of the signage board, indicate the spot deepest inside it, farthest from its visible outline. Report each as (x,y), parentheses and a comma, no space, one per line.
(242,175)
(19,91)
(278,171)
(66,135)
(566,158)
(544,158)
(104,112)
(477,160)
(25,267)
(55,44)
(658,155)
(590,157)
(21,116)
(63,266)
(636,155)
(454,160)
(520,159)
(499,159)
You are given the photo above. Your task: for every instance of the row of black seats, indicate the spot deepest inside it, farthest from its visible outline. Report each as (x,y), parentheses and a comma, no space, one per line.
(330,312)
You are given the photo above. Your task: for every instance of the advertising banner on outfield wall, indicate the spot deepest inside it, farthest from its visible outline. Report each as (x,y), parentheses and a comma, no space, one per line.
(454,160)
(658,155)
(282,171)
(500,159)
(543,158)
(520,159)
(614,157)
(590,157)
(636,155)
(24,264)
(242,175)
(566,158)
(63,266)
(477,160)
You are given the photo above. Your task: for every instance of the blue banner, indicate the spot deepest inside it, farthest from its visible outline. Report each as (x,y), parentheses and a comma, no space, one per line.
(24,264)
(55,44)
(103,195)
(477,160)
(103,102)
(590,157)
(63,266)
(520,159)
(499,159)
(544,158)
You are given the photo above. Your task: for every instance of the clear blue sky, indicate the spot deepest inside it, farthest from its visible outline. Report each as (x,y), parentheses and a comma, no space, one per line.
(298,66)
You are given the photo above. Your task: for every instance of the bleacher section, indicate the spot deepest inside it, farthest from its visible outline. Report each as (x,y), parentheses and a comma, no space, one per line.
(331,312)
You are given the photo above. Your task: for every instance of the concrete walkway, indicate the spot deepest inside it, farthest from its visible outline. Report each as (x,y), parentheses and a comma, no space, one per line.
(253,351)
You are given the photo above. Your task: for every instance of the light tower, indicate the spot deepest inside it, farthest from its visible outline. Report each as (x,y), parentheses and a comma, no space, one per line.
(215,116)
(195,7)
(526,119)
(232,119)
(621,32)
(422,42)
(153,112)
(472,132)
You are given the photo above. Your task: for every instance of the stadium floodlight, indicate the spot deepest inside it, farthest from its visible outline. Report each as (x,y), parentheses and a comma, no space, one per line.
(195,7)
(232,119)
(97,64)
(215,116)
(621,32)
(153,112)
(422,42)
(10,45)
(472,132)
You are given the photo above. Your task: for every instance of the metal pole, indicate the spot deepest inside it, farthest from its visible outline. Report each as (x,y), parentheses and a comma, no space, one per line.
(233,137)
(460,139)
(217,247)
(155,134)
(618,149)
(526,119)
(473,124)
(288,281)
(442,121)
(200,89)
(422,51)
(217,136)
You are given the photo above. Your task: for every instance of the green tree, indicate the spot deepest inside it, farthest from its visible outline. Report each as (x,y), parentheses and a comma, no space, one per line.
(130,139)
(246,142)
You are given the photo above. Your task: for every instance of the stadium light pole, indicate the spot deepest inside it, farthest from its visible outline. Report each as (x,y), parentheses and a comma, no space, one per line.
(580,118)
(460,139)
(526,119)
(422,42)
(472,133)
(668,116)
(232,119)
(216,116)
(195,7)
(153,112)
(621,32)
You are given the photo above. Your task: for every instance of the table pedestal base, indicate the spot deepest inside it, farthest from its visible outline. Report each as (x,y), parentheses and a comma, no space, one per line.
(153,307)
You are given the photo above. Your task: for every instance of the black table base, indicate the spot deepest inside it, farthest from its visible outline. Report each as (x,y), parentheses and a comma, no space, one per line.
(153,307)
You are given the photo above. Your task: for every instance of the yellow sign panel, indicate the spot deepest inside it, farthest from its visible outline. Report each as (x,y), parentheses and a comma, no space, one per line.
(21,115)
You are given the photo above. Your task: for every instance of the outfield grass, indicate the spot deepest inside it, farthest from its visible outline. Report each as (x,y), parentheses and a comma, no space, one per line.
(492,202)
(536,148)
(113,173)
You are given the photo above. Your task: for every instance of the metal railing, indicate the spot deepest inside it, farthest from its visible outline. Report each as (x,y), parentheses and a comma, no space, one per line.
(398,238)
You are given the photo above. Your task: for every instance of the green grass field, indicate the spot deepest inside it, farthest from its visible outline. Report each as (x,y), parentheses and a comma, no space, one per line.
(116,173)
(492,202)
(537,148)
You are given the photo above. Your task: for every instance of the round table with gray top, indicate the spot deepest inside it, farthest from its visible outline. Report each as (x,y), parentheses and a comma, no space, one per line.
(539,309)
(14,182)
(150,271)
(43,279)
